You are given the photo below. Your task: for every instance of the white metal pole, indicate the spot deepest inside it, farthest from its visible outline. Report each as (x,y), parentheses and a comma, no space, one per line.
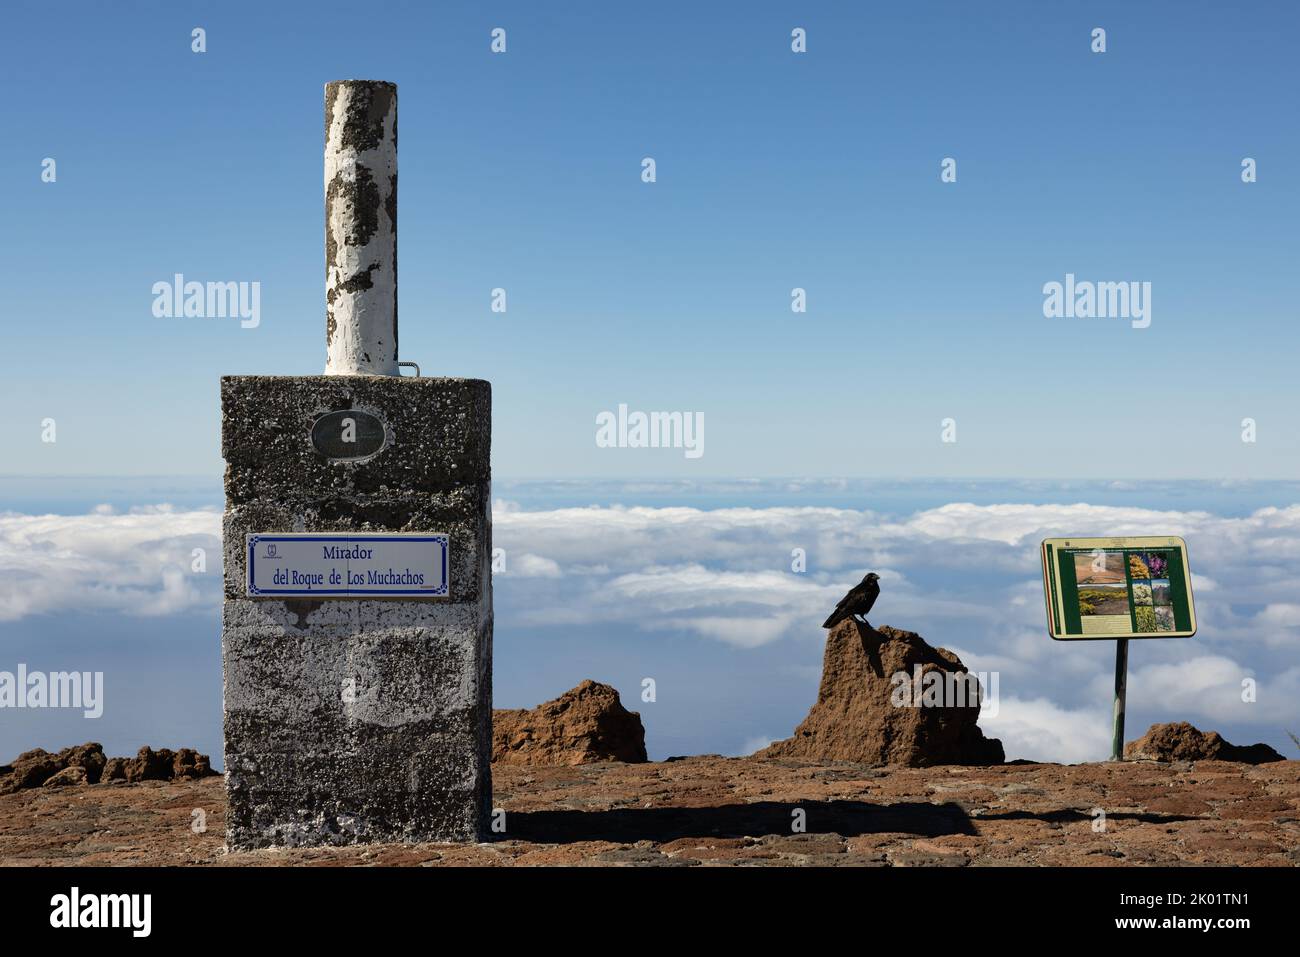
(361,228)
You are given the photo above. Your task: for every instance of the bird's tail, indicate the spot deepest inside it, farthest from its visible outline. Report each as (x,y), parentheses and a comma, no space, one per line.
(836,617)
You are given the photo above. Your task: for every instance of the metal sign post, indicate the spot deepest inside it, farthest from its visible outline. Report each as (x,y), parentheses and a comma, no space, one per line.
(1121,687)
(1118,589)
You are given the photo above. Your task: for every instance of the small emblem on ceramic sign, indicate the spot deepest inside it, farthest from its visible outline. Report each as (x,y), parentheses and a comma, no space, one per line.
(348,434)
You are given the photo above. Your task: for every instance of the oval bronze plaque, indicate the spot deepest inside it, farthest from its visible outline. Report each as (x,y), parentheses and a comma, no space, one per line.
(348,434)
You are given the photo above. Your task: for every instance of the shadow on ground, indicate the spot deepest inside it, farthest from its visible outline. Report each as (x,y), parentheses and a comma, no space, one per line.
(663,824)
(846,818)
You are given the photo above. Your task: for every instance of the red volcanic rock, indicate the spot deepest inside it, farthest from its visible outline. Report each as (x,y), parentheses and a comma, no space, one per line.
(581,726)
(31,769)
(165,765)
(69,776)
(86,764)
(858,715)
(188,763)
(1180,741)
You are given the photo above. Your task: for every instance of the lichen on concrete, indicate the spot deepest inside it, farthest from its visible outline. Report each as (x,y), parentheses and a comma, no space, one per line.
(358,720)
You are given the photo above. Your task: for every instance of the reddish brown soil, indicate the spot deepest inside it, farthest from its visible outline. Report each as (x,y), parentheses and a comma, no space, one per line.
(711,810)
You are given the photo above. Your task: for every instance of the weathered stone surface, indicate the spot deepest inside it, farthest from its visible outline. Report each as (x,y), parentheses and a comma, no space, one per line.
(86,764)
(164,765)
(585,724)
(737,812)
(33,768)
(150,765)
(30,769)
(441,432)
(358,720)
(1180,741)
(856,719)
(188,763)
(68,777)
(337,733)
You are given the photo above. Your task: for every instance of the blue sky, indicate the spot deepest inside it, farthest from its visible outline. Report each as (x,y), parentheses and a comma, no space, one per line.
(775,170)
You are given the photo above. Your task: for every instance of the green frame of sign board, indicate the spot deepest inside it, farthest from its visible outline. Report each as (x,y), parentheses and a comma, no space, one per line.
(1067,621)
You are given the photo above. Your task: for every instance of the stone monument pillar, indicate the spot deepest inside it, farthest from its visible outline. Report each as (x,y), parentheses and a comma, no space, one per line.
(357,623)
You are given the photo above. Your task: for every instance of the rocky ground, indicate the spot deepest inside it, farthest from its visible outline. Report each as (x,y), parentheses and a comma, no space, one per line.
(712,810)
(865,780)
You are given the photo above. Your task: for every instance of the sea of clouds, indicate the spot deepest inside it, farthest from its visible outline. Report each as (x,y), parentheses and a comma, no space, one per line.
(965,576)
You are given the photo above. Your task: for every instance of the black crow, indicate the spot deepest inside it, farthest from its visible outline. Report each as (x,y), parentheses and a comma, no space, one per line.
(857,602)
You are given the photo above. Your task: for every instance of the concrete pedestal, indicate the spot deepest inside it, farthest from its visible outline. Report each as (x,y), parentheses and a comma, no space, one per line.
(358,720)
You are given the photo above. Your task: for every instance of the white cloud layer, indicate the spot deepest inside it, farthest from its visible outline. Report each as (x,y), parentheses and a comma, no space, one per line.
(964,576)
(1041,729)
(137,563)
